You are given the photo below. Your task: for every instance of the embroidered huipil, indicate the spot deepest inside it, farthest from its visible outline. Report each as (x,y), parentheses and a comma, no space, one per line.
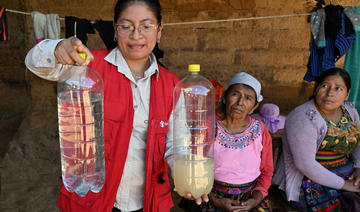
(244,157)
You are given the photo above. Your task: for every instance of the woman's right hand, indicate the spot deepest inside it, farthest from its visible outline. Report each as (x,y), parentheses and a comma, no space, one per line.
(230,205)
(67,52)
(349,185)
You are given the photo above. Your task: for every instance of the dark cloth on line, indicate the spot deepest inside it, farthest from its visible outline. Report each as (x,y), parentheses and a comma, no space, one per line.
(78,27)
(106,32)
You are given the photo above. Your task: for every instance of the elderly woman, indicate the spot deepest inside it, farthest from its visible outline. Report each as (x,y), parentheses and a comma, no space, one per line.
(137,99)
(242,152)
(321,155)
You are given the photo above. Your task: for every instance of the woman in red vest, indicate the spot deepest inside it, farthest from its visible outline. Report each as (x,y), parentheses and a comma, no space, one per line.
(137,110)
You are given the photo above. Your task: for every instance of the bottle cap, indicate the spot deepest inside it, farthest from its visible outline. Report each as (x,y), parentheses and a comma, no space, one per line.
(194,67)
(82,55)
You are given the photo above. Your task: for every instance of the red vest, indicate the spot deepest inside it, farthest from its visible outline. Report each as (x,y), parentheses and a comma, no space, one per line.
(118,124)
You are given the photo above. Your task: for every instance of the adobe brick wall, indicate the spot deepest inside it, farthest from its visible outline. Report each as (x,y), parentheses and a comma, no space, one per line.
(12,79)
(273,50)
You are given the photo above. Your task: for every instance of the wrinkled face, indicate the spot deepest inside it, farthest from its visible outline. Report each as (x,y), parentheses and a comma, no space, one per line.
(240,101)
(137,44)
(331,93)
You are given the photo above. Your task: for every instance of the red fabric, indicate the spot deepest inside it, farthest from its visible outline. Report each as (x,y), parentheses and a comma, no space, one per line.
(118,123)
(39,40)
(219,89)
(4,34)
(266,166)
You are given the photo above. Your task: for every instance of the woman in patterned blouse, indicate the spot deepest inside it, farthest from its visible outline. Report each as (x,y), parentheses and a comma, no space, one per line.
(242,151)
(320,166)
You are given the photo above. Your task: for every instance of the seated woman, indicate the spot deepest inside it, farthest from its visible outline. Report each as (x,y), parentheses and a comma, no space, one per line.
(321,155)
(242,152)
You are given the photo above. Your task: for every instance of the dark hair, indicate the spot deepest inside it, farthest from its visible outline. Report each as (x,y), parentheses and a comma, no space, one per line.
(154,6)
(331,72)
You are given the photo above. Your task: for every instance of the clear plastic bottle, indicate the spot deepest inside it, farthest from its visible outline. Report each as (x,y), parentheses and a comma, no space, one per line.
(80,116)
(194,119)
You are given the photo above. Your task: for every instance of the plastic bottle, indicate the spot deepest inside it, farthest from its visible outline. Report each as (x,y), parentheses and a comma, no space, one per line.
(194,119)
(80,116)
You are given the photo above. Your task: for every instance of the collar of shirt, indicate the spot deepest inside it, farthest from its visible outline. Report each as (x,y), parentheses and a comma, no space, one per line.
(116,58)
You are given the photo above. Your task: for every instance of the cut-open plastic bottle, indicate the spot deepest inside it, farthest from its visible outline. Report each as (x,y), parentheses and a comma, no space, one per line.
(194,119)
(81,133)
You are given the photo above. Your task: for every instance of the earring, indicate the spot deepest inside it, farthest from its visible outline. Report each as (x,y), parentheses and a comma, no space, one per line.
(158,41)
(115,39)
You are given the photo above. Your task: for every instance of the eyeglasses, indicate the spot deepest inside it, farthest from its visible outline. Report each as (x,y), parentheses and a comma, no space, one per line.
(127,29)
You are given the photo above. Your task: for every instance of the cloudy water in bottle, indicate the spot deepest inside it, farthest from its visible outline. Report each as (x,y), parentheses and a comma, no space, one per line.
(194,175)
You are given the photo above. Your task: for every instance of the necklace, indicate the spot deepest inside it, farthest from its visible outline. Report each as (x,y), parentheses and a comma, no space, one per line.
(235,129)
(333,118)
(137,77)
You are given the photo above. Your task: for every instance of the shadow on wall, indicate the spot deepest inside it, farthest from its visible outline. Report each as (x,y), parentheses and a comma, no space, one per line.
(13,106)
(30,167)
(286,97)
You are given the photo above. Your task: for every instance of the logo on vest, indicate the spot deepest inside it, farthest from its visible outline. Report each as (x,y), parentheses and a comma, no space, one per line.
(162,124)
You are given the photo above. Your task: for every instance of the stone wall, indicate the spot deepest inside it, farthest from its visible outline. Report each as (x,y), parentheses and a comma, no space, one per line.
(273,50)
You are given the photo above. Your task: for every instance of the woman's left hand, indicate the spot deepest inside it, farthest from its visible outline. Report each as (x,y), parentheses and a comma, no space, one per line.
(203,198)
(251,202)
(356,177)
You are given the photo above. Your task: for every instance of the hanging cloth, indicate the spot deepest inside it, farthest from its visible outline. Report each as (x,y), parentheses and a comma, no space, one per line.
(351,13)
(106,32)
(338,38)
(46,26)
(4,34)
(333,20)
(78,27)
(352,65)
(317,25)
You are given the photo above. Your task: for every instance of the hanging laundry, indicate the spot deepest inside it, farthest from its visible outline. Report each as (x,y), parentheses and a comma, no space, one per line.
(46,26)
(4,34)
(333,20)
(106,32)
(78,27)
(352,62)
(317,25)
(351,13)
(339,35)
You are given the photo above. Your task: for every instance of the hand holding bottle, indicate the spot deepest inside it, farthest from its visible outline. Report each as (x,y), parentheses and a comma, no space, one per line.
(67,52)
(203,198)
